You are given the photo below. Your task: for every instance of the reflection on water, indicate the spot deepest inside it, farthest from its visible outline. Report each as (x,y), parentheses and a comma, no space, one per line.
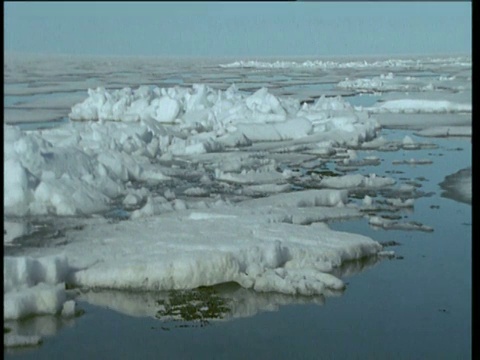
(180,308)
(458,186)
(42,125)
(42,326)
(226,301)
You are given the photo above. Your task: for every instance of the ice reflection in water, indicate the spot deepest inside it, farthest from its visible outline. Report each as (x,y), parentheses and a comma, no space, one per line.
(237,301)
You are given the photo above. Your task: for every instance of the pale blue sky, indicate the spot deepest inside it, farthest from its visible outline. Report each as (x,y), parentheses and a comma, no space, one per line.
(244,29)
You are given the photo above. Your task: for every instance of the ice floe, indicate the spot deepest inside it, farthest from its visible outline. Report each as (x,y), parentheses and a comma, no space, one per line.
(445,131)
(266,252)
(388,224)
(420,106)
(458,186)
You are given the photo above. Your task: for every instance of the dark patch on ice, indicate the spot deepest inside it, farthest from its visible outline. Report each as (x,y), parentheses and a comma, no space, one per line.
(394,172)
(117,214)
(44,231)
(391,216)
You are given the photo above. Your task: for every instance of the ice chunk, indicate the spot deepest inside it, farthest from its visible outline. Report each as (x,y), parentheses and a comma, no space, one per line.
(15,340)
(352,181)
(15,188)
(68,309)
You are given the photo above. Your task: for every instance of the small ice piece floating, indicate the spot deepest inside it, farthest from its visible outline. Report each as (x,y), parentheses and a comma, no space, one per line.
(387,224)
(458,186)
(355,181)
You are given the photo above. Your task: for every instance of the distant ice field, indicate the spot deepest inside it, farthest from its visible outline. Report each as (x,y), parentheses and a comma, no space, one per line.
(156,174)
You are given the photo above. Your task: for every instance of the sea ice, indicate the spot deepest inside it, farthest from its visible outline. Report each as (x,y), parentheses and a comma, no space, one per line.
(359,64)
(356,181)
(388,224)
(259,254)
(82,167)
(129,146)
(444,131)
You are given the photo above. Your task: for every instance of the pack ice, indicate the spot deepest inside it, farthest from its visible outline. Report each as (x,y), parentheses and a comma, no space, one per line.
(115,151)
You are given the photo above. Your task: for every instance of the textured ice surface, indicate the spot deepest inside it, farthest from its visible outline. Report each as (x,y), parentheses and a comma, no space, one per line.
(267,252)
(81,167)
(262,253)
(183,162)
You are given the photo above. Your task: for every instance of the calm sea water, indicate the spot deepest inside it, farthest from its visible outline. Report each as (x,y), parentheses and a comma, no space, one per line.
(417,305)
